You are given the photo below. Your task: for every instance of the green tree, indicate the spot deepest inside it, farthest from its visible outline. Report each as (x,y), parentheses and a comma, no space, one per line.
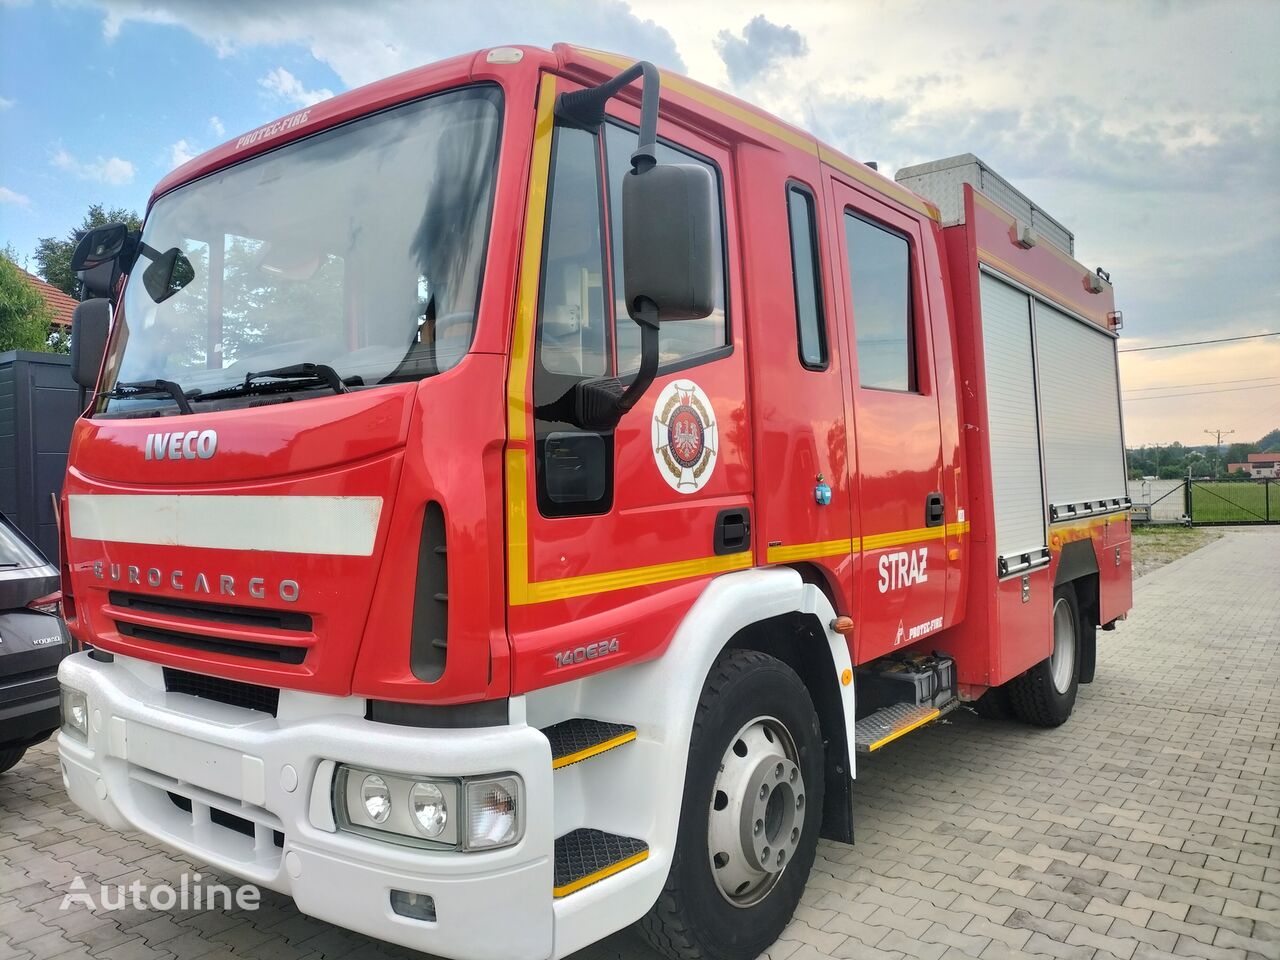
(54,254)
(24,316)
(1271,442)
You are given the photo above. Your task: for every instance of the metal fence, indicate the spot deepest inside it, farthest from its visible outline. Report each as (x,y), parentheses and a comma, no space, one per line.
(1207,502)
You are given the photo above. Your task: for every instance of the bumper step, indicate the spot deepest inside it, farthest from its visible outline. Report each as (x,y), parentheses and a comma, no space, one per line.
(573,741)
(586,856)
(889,723)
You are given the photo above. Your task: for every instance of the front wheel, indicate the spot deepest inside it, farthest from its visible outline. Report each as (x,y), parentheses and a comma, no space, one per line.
(750,815)
(1046,694)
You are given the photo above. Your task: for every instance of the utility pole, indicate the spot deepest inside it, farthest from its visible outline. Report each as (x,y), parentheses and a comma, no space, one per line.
(1218,434)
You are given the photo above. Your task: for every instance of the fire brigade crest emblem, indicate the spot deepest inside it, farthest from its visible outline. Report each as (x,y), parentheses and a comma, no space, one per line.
(685,436)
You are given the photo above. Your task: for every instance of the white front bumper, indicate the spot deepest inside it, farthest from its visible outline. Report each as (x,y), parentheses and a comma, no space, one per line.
(145,744)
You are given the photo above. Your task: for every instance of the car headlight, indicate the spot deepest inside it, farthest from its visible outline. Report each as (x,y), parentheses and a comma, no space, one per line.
(376,798)
(429,808)
(481,813)
(75,713)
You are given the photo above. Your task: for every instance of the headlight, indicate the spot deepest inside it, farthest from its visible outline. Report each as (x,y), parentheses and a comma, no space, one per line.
(75,713)
(376,798)
(493,813)
(483,813)
(430,810)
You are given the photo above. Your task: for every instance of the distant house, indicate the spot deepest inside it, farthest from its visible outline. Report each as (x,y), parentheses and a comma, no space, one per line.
(1260,466)
(60,305)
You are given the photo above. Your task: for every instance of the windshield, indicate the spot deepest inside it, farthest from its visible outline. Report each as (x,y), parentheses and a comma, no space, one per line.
(359,249)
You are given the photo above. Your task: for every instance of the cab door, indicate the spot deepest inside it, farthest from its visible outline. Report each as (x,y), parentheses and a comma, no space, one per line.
(611,535)
(897,437)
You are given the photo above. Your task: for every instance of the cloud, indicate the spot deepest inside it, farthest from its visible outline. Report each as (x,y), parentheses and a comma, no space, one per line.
(181,152)
(216,125)
(111,170)
(17,199)
(6,103)
(759,49)
(288,87)
(376,38)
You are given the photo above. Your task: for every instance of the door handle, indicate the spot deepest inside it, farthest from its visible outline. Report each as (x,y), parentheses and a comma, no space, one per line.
(933,510)
(733,531)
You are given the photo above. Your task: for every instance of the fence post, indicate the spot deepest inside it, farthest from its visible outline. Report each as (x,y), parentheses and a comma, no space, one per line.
(1186,493)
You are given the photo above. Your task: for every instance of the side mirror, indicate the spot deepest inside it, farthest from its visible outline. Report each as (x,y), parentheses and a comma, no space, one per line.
(90,324)
(167,274)
(98,258)
(668,215)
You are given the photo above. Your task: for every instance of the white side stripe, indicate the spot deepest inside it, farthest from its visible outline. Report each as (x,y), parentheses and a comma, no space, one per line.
(342,526)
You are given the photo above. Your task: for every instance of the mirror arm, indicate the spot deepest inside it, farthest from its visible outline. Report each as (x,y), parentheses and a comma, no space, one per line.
(599,403)
(585,109)
(647,316)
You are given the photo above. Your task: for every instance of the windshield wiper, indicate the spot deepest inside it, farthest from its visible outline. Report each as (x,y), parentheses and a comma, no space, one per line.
(170,387)
(285,378)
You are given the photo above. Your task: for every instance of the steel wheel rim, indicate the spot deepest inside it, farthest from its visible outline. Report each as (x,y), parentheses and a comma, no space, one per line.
(1062,662)
(756,813)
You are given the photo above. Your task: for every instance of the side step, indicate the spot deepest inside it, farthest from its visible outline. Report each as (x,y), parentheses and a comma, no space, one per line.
(889,723)
(586,856)
(573,741)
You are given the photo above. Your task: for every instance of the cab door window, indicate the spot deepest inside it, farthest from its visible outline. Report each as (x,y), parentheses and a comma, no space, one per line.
(574,466)
(879,263)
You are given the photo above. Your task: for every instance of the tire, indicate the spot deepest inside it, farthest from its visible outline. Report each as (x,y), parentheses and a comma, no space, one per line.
(1036,696)
(748,697)
(994,704)
(10,756)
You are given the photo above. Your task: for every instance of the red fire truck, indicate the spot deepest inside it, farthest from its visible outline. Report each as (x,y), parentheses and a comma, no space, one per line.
(515,494)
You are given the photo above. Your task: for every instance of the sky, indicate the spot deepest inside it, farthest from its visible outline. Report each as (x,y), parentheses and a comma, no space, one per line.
(1150,128)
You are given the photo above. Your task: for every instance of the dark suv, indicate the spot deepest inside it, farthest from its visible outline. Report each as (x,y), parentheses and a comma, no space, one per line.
(32,642)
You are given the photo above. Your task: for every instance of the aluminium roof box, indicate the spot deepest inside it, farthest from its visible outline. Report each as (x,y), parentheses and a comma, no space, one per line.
(942,181)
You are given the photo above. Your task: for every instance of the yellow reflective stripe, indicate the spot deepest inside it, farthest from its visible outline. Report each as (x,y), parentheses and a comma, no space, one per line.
(777,130)
(591,583)
(786,553)
(599,875)
(1089,521)
(897,538)
(716,102)
(877,182)
(1053,296)
(593,750)
(530,262)
(517,526)
(810,551)
(933,715)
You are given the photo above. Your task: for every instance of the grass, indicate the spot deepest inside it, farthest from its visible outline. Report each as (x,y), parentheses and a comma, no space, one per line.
(1240,502)
(1156,545)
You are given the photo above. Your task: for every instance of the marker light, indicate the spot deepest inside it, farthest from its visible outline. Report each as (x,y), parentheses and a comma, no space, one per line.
(430,810)
(376,798)
(493,813)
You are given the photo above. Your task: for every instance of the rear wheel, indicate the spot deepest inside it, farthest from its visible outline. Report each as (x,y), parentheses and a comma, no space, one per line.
(10,756)
(1046,694)
(750,816)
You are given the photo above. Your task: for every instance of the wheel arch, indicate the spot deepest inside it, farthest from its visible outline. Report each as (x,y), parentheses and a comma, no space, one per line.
(1078,566)
(800,641)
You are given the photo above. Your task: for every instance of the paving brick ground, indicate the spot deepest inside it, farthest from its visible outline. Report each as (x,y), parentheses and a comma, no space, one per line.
(1147,827)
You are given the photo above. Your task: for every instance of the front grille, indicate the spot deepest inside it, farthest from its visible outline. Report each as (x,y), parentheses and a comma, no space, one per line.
(275,652)
(212,612)
(429,643)
(232,692)
(224,819)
